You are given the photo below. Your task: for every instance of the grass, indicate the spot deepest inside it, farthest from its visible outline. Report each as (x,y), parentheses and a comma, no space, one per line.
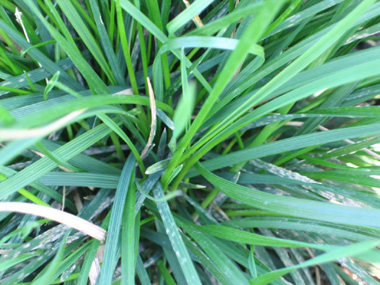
(189,142)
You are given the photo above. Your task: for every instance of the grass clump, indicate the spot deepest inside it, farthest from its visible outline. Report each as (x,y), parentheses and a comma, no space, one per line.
(178,142)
